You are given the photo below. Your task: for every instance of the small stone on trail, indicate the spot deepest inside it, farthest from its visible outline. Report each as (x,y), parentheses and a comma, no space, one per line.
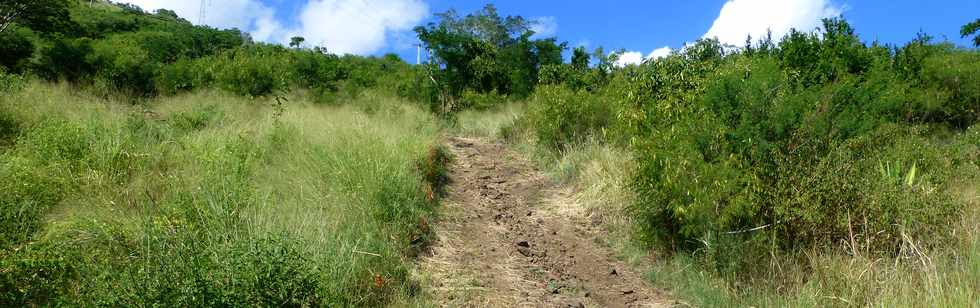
(523,244)
(524,251)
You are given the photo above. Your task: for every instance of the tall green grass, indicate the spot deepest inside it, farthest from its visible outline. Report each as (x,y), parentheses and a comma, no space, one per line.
(210,199)
(487,123)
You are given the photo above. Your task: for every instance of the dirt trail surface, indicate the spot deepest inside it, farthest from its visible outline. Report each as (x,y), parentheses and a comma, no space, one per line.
(500,243)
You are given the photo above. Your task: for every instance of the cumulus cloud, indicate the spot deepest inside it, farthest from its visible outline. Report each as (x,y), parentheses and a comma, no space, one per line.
(357,26)
(636,57)
(660,53)
(242,14)
(342,26)
(741,18)
(629,58)
(545,26)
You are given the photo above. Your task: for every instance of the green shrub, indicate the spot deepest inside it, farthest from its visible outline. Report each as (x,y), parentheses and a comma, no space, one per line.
(10,83)
(251,73)
(196,119)
(125,66)
(419,87)
(575,78)
(316,70)
(562,117)
(183,76)
(816,58)
(271,271)
(30,190)
(67,59)
(659,93)
(801,166)
(956,76)
(15,49)
(877,188)
(481,101)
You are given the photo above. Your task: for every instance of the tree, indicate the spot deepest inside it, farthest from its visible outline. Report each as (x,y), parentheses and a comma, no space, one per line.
(580,58)
(15,49)
(973,29)
(296,41)
(485,52)
(171,15)
(39,15)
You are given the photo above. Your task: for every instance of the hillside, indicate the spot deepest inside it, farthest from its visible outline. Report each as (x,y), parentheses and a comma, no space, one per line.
(148,161)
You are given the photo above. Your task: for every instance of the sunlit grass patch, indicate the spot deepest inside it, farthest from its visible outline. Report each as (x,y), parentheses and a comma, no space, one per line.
(211,199)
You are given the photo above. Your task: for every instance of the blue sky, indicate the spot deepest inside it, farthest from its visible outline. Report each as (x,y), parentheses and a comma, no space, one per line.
(641,27)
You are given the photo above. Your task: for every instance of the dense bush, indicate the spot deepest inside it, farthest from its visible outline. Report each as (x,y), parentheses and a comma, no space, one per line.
(955,79)
(66,59)
(816,142)
(571,76)
(183,76)
(480,101)
(316,70)
(125,66)
(15,49)
(563,117)
(10,82)
(252,73)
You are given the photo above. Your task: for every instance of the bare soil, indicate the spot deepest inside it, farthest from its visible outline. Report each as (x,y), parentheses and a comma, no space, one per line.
(501,244)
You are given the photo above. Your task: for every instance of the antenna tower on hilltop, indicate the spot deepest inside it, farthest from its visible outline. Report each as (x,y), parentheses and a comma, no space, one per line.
(204,11)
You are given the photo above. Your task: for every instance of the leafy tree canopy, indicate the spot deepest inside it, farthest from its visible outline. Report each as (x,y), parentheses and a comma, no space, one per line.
(40,15)
(973,29)
(296,41)
(486,52)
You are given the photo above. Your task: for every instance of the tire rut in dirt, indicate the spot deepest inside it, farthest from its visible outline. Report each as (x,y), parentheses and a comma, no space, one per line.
(496,246)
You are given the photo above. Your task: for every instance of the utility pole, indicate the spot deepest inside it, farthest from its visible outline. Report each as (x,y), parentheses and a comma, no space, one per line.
(204,12)
(418,54)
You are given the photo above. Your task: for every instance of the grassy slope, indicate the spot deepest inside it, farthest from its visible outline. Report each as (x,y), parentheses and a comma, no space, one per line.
(942,278)
(209,199)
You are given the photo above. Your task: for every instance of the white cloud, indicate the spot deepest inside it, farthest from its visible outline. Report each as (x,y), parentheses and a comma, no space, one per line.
(636,58)
(740,18)
(545,26)
(241,14)
(268,29)
(629,58)
(357,26)
(342,26)
(661,52)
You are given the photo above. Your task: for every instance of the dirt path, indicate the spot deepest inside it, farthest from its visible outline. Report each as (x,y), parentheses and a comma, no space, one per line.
(501,245)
